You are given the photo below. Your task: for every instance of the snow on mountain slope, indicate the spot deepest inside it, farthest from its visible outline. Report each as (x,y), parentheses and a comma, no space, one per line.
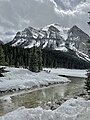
(78,39)
(64,49)
(63,31)
(50,36)
(54,37)
(83,56)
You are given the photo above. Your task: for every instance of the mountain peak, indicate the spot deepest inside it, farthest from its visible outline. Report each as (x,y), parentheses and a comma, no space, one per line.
(78,31)
(53,35)
(75,26)
(78,38)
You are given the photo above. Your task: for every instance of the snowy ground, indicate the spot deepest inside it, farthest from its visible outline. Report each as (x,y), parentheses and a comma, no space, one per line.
(68,72)
(73,109)
(19,79)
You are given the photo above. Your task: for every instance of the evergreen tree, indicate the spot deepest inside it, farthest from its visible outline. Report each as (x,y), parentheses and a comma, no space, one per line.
(39,58)
(2,56)
(17,63)
(1,71)
(7,60)
(87,83)
(44,59)
(34,60)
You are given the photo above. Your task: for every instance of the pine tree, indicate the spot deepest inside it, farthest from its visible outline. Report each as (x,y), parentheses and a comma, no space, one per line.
(2,56)
(39,59)
(44,59)
(34,60)
(87,83)
(7,60)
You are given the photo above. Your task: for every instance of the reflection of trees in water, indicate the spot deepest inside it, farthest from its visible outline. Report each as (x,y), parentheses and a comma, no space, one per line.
(6,105)
(43,96)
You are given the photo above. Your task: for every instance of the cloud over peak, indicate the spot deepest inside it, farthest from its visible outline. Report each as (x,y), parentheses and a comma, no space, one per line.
(15,15)
(71,7)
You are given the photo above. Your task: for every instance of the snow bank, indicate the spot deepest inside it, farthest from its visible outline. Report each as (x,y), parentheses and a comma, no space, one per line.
(73,109)
(19,78)
(68,72)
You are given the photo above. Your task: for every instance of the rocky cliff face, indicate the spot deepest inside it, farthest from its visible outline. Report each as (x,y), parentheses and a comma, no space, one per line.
(51,36)
(78,39)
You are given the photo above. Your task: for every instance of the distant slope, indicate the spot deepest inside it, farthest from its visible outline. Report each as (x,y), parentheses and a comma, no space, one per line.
(78,39)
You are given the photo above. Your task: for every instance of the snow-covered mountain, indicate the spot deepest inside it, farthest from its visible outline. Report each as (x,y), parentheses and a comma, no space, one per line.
(54,37)
(78,39)
(51,36)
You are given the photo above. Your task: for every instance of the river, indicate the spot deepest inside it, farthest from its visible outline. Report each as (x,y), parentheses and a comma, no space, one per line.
(42,96)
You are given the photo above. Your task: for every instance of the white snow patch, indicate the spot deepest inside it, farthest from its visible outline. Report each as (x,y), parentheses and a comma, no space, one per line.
(45,44)
(64,49)
(20,41)
(86,57)
(19,78)
(37,44)
(68,72)
(63,30)
(73,109)
(30,45)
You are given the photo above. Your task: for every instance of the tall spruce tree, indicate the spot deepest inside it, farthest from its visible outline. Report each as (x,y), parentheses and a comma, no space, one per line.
(34,60)
(2,56)
(39,59)
(87,83)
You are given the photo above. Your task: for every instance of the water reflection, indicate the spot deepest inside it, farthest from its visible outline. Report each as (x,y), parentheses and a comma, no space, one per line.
(42,96)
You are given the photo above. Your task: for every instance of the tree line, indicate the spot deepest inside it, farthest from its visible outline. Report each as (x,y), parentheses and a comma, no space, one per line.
(54,59)
(20,57)
(35,58)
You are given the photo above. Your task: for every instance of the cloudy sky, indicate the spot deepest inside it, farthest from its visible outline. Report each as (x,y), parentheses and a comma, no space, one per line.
(17,14)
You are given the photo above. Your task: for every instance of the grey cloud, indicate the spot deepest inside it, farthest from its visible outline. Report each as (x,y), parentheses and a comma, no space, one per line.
(15,15)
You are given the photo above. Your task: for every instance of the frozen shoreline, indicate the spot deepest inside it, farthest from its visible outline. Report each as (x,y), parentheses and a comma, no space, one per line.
(68,72)
(72,109)
(19,79)
(22,79)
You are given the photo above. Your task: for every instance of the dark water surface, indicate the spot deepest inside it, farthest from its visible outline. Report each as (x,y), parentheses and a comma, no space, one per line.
(42,96)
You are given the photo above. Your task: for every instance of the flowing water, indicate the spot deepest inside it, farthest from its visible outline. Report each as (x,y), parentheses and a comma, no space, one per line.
(42,96)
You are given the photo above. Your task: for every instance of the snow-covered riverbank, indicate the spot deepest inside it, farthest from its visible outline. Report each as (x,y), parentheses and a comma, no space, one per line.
(73,109)
(21,79)
(68,72)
